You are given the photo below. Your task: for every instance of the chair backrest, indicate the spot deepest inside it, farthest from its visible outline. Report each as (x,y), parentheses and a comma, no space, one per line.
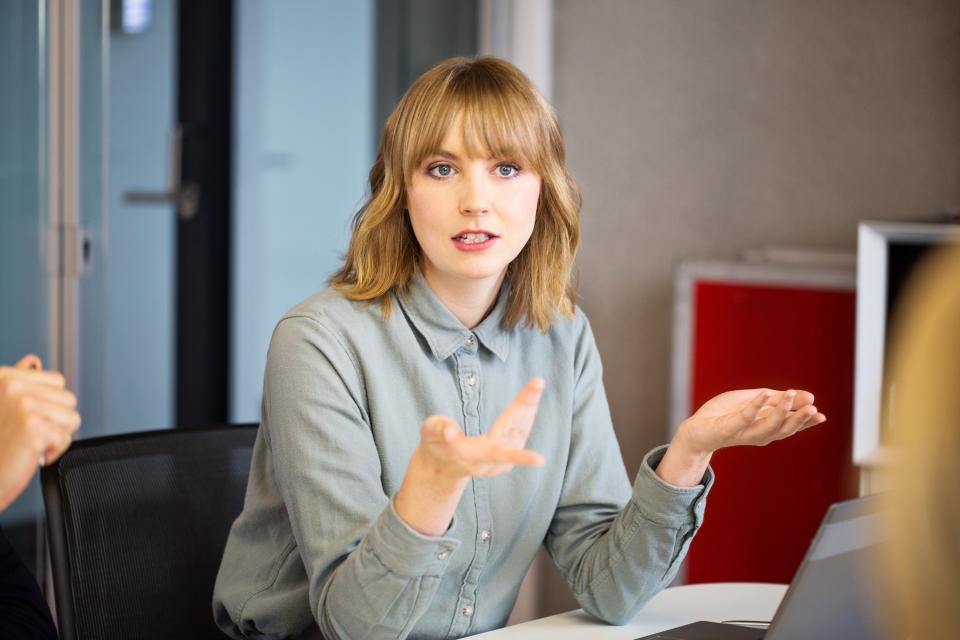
(137,527)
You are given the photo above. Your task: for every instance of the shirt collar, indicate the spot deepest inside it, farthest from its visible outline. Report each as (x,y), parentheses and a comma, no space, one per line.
(443,331)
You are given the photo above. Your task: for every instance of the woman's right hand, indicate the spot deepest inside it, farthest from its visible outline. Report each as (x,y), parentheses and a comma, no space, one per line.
(444,446)
(446,458)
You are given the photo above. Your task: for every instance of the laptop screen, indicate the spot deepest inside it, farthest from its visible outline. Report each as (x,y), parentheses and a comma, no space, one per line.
(833,594)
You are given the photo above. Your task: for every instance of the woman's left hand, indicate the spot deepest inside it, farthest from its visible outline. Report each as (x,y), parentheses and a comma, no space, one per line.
(746,417)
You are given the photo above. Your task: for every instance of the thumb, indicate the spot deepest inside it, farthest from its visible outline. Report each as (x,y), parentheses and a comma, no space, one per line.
(29,361)
(440,428)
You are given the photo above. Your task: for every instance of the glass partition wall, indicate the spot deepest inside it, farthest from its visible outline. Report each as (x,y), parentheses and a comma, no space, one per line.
(52,238)
(23,222)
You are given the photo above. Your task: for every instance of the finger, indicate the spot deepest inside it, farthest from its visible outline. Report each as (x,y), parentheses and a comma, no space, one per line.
(61,441)
(43,436)
(514,424)
(503,454)
(437,428)
(50,395)
(796,420)
(773,396)
(29,361)
(31,376)
(752,410)
(451,431)
(55,414)
(814,420)
(775,419)
(802,399)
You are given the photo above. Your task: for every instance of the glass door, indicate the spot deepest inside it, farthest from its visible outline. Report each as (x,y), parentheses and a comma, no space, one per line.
(119,296)
(23,223)
(138,281)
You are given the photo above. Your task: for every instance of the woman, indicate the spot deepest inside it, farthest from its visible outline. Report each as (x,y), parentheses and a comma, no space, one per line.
(394,491)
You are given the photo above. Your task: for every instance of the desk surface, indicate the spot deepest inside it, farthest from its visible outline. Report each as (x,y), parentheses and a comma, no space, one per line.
(670,608)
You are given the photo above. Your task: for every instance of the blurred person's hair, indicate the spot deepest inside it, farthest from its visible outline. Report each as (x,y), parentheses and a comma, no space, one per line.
(925,425)
(503,116)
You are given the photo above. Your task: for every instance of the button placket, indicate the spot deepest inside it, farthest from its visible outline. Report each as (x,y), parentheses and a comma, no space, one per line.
(468,373)
(468,379)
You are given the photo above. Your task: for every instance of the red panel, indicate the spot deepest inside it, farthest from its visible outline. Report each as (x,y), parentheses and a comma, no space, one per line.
(768,501)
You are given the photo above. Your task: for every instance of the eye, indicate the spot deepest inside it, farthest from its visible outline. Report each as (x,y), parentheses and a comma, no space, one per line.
(440,170)
(507,170)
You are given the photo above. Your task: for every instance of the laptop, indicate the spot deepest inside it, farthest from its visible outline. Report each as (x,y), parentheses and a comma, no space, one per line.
(827,597)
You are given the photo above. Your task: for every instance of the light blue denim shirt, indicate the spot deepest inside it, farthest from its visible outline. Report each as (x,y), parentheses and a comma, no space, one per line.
(319,547)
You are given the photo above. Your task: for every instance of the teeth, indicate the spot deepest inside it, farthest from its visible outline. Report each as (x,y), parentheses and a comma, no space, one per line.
(471,238)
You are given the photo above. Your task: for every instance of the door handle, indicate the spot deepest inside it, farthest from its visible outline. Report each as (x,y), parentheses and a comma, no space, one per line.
(184,196)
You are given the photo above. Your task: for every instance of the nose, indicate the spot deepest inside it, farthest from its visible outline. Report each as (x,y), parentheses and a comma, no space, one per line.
(474,196)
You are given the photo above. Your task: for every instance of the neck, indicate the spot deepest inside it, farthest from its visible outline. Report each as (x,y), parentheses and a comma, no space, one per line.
(470,300)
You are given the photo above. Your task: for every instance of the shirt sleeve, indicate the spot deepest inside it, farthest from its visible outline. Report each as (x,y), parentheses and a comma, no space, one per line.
(369,574)
(616,547)
(23,611)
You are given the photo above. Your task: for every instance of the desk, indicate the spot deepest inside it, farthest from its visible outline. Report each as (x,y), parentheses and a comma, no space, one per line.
(670,608)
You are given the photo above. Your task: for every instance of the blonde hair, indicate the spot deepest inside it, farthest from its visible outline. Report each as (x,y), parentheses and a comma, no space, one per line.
(505,114)
(925,500)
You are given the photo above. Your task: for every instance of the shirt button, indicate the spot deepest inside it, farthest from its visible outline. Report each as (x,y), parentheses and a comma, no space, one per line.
(470,341)
(443,554)
(484,535)
(467,610)
(471,379)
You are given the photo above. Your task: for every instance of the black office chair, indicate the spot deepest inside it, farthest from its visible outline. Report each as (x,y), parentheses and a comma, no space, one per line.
(137,526)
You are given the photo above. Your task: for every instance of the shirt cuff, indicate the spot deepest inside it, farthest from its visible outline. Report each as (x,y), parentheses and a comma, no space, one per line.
(667,504)
(407,552)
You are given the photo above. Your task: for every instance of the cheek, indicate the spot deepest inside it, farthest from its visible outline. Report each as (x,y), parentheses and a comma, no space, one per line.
(527,206)
(419,227)
(418,212)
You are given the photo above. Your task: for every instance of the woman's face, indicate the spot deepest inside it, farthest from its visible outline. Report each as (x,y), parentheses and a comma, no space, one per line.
(471,216)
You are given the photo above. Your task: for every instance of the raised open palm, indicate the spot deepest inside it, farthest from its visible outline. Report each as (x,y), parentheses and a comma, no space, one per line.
(749,417)
(447,449)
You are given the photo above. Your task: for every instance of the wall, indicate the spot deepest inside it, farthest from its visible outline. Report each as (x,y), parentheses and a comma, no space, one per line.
(697,129)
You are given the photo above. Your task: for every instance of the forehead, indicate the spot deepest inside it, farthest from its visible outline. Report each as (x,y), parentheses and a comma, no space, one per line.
(479,136)
(462,141)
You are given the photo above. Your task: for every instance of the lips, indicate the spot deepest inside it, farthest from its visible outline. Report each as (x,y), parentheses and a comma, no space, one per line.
(473,236)
(474,240)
